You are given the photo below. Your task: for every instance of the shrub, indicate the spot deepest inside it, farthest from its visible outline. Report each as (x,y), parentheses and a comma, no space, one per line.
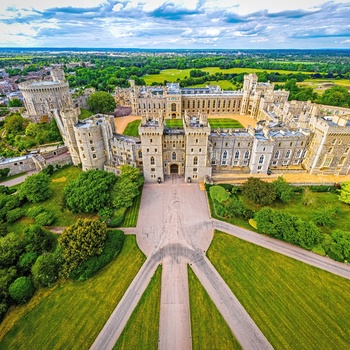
(14,215)
(26,262)
(35,211)
(219,194)
(44,219)
(319,250)
(45,270)
(234,208)
(323,188)
(112,247)
(21,290)
(38,239)
(258,191)
(227,187)
(117,218)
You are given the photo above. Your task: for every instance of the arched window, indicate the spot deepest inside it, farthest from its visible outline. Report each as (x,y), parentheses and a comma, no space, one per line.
(152,161)
(140,154)
(299,153)
(237,155)
(277,153)
(173,107)
(173,156)
(224,155)
(261,159)
(195,161)
(246,155)
(288,154)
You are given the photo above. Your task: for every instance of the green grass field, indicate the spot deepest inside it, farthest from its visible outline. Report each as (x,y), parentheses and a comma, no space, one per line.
(141,331)
(224,123)
(209,329)
(295,305)
(132,213)
(70,315)
(224,84)
(171,75)
(132,128)
(173,123)
(84,114)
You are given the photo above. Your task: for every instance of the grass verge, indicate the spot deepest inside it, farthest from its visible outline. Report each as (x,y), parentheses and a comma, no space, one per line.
(204,312)
(132,129)
(73,314)
(295,305)
(132,213)
(174,123)
(142,329)
(224,123)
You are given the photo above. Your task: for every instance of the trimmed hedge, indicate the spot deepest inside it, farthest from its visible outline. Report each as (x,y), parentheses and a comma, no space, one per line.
(113,245)
(21,290)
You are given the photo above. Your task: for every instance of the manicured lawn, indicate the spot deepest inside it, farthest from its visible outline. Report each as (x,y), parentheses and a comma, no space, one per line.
(224,84)
(142,330)
(224,123)
(64,217)
(295,305)
(74,313)
(209,329)
(85,114)
(132,213)
(132,128)
(173,123)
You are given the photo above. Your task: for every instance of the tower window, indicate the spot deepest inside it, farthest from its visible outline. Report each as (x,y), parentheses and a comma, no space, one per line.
(152,161)
(195,161)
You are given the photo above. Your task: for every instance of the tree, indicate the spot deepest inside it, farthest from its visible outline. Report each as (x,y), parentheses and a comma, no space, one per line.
(4,173)
(26,262)
(14,124)
(258,191)
(11,248)
(336,96)
(345,192)
(80,241)
(235,208)
(124,191)
(46,268)
(90,192)
(283,189)
(101,102)
(36,187)
(308,197)
(21,290)
(131,173)
(15,102)
(38,239)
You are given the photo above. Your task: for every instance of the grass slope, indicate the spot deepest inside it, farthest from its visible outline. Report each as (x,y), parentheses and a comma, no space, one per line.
(84,113)
(132,128)
(224,123)
(74,313)
(204,312)
(141,331)
(173,123)
(132,213)
(295,305)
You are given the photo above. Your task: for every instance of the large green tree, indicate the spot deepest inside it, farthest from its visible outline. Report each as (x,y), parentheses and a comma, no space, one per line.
(46,268)
(80,241)
(258,191)
(101,102)
(336,96)
(15,102)
(36,188)
(90,192)
(124,191)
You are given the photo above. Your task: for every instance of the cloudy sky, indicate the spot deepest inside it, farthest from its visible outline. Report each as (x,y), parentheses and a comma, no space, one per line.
(228,24)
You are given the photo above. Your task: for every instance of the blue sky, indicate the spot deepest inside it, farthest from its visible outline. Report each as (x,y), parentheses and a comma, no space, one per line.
(227,24)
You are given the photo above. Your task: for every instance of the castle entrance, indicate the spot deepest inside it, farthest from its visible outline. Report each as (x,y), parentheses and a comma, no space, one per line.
(173,116)
(174,169)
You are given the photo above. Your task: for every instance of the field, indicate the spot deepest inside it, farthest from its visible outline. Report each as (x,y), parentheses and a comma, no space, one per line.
(141,331)
(224,123)
(171,75)
(209,329)
(84,114)
(174,123)
(132,213)
(73,313)
(295,305)
(224,84)
(132,128)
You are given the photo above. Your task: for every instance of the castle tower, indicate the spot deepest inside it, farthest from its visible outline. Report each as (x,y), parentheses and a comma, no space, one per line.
(151,133)
(57,75)
(197,131)
(173,101)
(249,85)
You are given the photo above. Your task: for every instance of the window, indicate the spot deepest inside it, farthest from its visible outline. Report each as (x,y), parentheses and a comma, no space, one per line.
(195,161)
(264,149)
(164,146)
(279,144)
(288,154)
(334,141)
(147,149)
(291,144)
(237,155)
(259,167)
(342,161)
(195,170)
(150,140)
(299,153)
(327,162)
(196,140)
(191,150)
(173,107)
(226,144)
(200,150)
(330,150)
(224,155)
(94,156)
(261,159)
(246,155)
(347,150)
(173,156)
(152,161)
(239,144)
(153,169)
(235,162)
(92,148)
(277,153)
(155,150)
(90,142)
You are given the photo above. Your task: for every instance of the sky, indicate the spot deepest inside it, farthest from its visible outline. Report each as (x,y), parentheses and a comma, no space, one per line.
(174,24)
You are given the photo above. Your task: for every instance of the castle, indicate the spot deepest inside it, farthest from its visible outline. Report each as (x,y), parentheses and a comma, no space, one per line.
(289,136)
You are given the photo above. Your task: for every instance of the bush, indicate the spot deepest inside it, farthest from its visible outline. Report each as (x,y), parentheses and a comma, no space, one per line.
(113,245)
(45,270)
(323,188)
(219,194)
(45,219)
(319,250)
(117,218)
(14,215)
(258,191)
(227,187)
(38,239)
(26,262)
(35,211)
(21,290)
(235,208)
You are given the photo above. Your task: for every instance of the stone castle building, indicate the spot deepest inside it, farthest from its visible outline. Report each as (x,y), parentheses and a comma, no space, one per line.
(289,135)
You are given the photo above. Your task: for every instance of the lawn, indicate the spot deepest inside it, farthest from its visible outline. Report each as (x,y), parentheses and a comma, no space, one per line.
(204,313)
(173,123)
(295,305)
(224,84)
(64,217)
(84,114)
(171,75)
(73,313)
(132,128)
(142,330)
(224,123)
(132,213)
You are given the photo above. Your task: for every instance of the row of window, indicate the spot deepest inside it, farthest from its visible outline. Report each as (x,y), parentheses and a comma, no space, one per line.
(173,157)
(207,104)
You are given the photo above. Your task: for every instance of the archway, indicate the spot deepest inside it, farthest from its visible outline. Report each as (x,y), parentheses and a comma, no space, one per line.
(173,116)
(174,169)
